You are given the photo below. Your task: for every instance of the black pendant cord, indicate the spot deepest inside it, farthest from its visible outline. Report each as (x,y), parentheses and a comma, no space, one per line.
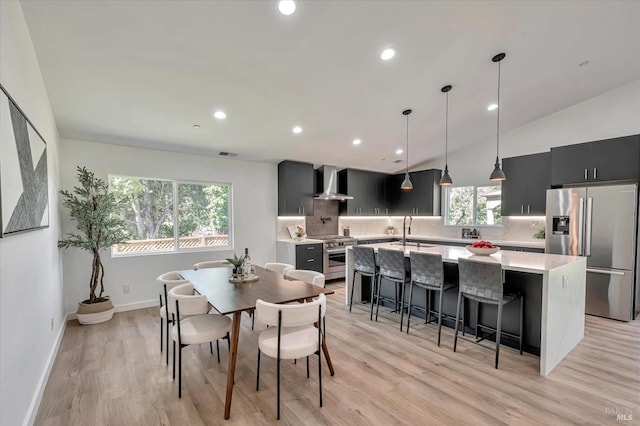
(407,169)
(498,121)
(446,134)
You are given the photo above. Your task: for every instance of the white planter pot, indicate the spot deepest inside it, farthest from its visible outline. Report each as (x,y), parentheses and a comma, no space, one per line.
(94,313)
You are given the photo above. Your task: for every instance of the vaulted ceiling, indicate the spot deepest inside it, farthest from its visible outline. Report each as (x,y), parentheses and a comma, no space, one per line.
(142,73)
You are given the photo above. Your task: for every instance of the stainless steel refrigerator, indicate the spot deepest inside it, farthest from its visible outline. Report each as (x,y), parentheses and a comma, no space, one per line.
(600,223)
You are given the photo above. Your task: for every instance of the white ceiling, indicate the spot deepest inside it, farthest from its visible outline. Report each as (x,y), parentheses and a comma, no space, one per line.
(142,73)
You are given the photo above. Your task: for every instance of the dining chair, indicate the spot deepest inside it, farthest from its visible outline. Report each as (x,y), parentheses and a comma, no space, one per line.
(199,327)
(482,282)
(280,268)
(168,280)
(211,264)
(310,277)
(295,332)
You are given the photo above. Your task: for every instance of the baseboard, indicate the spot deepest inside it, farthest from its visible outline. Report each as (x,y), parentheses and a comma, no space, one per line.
(44,378)
(126,307)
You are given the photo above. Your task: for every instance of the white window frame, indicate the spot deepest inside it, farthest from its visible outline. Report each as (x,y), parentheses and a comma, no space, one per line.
(176,219)
(474,207)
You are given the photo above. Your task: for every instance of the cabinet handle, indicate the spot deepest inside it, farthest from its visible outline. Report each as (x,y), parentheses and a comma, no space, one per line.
(387,210)
(528,209)
(303,211)
(310,260)
(521,208)
(595,173)
(586,174)
(311,248)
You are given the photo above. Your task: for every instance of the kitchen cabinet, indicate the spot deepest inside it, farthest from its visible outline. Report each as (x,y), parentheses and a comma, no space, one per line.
(309,256)
(368,192)
(528,178)
(599,161)
(422,200)
(295,188)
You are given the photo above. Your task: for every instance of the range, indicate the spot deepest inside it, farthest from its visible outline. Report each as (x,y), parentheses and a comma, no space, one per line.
(334,250)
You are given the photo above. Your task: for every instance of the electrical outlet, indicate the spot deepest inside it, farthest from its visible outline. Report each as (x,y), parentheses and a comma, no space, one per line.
(51,323)
(126,289)
(537,224)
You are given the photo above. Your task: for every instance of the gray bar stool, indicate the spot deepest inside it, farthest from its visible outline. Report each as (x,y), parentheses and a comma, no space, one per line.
(391,264)
(427,272)
(364,263)
(482,282)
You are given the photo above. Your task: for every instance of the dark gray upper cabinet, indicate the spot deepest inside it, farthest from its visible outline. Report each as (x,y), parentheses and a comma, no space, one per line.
(422,200)
(528,178)
(600,161)
(295,188)
(366,188)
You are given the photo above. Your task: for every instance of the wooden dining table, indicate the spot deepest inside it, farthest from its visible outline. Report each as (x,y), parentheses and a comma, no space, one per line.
(228,298)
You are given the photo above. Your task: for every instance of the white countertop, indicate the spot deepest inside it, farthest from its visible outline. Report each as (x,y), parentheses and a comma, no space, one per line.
(300,242)
(536,263)
(524,244)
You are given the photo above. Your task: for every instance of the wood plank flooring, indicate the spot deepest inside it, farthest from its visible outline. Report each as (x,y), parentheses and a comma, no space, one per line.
(114,374)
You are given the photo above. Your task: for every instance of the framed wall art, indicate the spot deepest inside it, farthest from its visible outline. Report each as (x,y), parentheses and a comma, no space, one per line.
(24,189)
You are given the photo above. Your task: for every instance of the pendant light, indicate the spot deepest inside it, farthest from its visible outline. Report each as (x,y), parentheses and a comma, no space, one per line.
(406,183)
(446,180)
(498,174)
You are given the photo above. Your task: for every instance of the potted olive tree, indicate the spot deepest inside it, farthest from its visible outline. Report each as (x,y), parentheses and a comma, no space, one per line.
(95,211)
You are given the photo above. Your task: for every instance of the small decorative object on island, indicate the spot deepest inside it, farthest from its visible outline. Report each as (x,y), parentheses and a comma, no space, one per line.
(390,230)
(95,210)
(540,233)
(483,248)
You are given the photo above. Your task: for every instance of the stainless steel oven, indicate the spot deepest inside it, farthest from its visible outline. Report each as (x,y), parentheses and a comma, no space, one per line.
(335,255)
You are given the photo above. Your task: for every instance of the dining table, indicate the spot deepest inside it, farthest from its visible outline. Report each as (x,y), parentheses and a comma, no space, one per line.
(234,298)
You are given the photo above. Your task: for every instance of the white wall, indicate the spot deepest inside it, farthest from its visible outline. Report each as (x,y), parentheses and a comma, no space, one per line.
(31,294)
(611,114)
(254,209)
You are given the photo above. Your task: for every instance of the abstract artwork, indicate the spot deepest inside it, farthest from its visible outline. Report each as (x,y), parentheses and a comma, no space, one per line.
(24,192)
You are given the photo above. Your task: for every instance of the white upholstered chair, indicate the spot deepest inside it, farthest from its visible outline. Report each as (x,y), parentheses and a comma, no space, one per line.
(199,327)
(167,281)
(311,277)
(293,334)
(211,264)
(280,268)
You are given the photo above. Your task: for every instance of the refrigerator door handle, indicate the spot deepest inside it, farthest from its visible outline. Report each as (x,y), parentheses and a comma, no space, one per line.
(605,271)
(587,242)
(580,225)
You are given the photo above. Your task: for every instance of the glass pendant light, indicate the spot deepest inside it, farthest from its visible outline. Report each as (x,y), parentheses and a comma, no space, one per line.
(498,174)
(406,183)
(446,180)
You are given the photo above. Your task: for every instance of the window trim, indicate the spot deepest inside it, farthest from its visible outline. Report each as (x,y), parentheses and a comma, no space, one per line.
(474,207)
(176,219)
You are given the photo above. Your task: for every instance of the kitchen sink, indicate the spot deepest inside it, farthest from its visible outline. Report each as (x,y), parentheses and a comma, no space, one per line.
(399,243)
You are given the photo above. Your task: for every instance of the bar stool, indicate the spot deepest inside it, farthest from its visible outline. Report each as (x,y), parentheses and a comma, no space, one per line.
(482,282)
(364,263)
(391,264)
(427,272)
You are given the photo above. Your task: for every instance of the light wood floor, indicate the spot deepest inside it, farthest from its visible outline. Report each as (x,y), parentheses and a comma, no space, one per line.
(114,374)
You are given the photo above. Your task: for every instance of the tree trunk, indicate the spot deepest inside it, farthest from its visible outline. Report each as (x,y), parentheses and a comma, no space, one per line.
(95,273)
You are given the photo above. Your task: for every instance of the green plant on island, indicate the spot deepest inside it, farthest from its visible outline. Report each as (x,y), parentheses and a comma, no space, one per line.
(95,211)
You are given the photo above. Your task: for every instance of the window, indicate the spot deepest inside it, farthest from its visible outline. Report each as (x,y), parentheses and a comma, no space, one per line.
(474,205)
(168,216)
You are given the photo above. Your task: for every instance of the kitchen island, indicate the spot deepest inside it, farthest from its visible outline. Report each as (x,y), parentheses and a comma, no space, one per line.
(554,287)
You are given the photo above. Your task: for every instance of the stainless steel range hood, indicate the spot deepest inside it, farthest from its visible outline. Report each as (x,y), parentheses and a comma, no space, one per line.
(330,185)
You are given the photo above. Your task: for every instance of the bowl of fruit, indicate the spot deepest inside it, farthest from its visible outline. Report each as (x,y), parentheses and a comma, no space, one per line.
(483,248)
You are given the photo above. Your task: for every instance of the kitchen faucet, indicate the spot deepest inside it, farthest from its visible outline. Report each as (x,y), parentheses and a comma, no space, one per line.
(405,228)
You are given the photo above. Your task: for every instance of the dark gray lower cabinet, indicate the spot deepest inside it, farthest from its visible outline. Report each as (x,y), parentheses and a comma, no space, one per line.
(309,256)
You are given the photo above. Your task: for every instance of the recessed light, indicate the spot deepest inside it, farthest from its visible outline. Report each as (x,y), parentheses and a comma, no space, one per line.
(387,54)
(196,126)
(399,151)
(492,107)
(220,115)
(287,7)
(357,141)
(297,130)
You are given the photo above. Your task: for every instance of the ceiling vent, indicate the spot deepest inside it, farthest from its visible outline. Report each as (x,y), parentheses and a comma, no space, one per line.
(227,154)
